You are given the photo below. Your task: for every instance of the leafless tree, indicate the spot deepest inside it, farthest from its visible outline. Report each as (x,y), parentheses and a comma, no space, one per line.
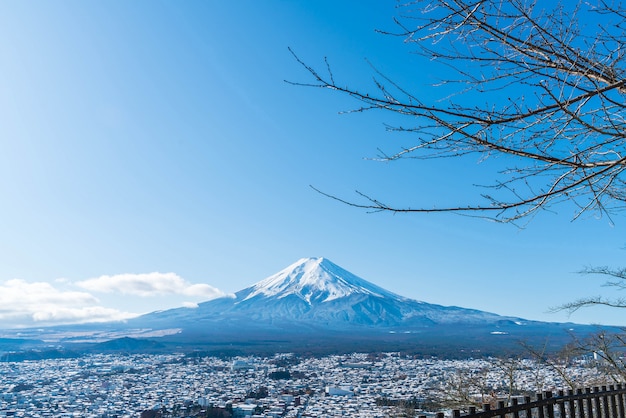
(617,280)
(476,386)
(540,83)
(607,349)
(559,364)
(468,387)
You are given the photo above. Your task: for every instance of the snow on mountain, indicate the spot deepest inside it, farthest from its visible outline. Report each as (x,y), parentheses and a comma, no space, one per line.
(316,280)
(317,306)
(318,293)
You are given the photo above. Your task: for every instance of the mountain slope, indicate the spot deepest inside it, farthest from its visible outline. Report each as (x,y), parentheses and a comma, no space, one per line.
(315,306)
(317,293)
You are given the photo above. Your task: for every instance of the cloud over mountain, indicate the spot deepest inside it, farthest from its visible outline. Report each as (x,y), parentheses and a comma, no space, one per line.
(149,284)
(25,303)
(37,303)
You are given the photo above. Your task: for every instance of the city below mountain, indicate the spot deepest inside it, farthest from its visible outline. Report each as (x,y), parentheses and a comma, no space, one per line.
(316,306)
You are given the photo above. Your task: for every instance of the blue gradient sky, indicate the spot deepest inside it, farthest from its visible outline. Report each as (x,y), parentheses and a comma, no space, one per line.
(156,142)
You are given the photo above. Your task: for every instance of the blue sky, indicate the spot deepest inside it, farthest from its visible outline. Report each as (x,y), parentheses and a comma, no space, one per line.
(152,156)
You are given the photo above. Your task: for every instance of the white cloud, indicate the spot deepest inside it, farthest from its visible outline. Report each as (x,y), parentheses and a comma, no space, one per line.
(26,304)
(29,304)
(86,313)
(150,284)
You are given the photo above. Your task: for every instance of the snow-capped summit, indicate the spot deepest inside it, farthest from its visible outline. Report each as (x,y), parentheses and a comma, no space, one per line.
(315,292)
(316,279)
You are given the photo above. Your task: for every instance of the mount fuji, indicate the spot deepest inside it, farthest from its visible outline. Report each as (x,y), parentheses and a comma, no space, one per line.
(315,306)
(320,294)
(316,300)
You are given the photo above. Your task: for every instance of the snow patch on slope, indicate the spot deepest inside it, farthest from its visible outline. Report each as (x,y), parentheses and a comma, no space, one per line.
(316,279)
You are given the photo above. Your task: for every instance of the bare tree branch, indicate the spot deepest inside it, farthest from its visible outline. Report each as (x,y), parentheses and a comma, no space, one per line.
(553,87)
(617,280)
